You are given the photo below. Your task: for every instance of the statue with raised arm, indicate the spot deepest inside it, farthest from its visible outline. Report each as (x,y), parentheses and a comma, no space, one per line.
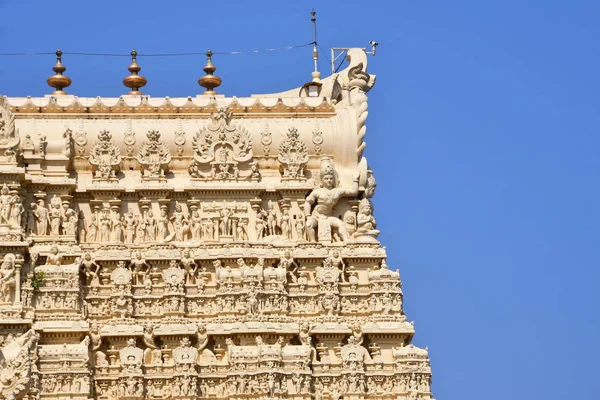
(319,204)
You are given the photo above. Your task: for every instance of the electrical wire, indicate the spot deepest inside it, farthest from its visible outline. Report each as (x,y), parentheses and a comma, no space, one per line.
(140,55)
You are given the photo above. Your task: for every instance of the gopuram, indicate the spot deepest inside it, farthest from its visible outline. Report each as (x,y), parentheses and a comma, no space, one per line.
(206,247)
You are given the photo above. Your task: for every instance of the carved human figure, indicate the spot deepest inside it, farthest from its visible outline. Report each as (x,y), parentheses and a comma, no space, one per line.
(196,225)
(271,219)
(163,225)
(261,224)
(180,223)
(241,232)
(225,225)
(285,224)
(319,205)
(7,278)
(91,269)
(290,265)
(31,224)
(5,204)
(130,224)
(300,228)
(16,212)
(116,225)
(139,268)
(42,216)
(56,216)
(152,227)
(189,265)
(69,219)
(105,226)
(54,258)
(365,221)
(81,227)
(92,236)
(338,263)
(152,354)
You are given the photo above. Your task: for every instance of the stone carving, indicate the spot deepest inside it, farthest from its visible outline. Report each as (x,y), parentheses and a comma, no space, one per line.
(257,276)
(9,136)
(105,158)
(8,285)
(221,149)
(11,211)
(365,222)
(293,156)
(17,366)
(154,156)
(320,203)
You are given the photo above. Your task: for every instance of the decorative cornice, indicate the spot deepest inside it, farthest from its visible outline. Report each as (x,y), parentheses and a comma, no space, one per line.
(191,107)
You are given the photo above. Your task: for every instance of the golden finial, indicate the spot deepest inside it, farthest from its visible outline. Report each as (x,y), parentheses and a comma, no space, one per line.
(59,81)
(134,81)
(209,81)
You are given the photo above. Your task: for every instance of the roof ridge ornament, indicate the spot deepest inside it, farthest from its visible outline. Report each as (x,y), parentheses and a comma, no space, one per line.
(209,81)
(59,81)
(134,81)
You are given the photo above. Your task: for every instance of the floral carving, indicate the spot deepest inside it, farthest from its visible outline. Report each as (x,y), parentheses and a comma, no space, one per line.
(154,156)
(105,157)
(293,155)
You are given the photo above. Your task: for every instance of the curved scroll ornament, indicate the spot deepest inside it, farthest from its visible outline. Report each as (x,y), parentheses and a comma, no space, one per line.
(293,156)
(154,156)
(16,366)
(9,138)
(221,149)
(105,158)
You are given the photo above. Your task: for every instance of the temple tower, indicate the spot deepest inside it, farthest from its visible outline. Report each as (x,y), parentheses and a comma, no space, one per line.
(207,247)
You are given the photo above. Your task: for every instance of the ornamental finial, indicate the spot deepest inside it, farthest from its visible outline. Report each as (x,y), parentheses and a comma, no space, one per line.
(134,81)
(209,81)
(59,81)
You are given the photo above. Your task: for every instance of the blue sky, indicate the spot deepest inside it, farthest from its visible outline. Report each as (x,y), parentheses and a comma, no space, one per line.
(483,133)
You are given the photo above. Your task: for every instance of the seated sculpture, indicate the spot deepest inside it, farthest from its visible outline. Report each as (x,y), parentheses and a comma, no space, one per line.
(319,205)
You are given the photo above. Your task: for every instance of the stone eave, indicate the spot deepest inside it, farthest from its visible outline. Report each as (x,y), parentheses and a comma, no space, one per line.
(147,107)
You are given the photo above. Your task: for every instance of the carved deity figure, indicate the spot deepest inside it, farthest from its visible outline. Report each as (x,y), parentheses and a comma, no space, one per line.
(7,278)
(290,265)
(91,269)
(261,223)
(154,156)
(105,157)
(139,268)
(130,224)
(162,225)
(152,354)
(220,149)
(152,226)
(285,224)
(271,219)
(365,221)
(320,203)
(196,225)
(42,218)
(225,224)
(189,265)
(92,229)
(180,223)
(105,226)
(5,204)
(16,212)
(56,216)
(54,258)
(293,156)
